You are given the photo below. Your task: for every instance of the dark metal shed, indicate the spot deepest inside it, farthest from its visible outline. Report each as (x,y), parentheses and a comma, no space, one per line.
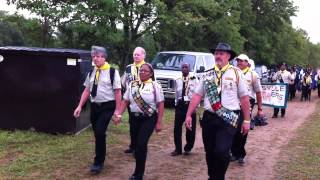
(40,87)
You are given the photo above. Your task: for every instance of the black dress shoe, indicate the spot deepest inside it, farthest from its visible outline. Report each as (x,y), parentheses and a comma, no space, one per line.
(96,168)
(135,177)
(233,158)
(241,161)
(175,153)
(186,153)
(129,151)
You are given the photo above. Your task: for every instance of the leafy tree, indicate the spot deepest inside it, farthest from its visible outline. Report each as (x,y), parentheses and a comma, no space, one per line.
(18,31)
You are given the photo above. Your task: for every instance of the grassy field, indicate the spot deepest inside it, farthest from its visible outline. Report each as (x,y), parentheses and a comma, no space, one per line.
(300,159)
(31,155)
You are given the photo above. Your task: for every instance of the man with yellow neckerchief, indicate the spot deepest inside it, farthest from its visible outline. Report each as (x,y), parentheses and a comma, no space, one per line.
(184,88)
(223,89)
(132,74)
(105,96)
(254,87)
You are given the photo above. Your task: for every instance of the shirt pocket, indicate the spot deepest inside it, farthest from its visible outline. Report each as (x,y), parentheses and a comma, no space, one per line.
(105,80)
(146,90)
(228,85)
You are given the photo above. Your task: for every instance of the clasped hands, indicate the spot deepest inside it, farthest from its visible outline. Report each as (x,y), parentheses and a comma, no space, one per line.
(116,118)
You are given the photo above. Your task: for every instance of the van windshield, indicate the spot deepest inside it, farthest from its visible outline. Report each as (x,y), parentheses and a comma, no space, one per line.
(170,61)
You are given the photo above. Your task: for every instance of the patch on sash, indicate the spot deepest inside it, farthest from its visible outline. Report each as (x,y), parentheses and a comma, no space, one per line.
(229,78)
(146,90)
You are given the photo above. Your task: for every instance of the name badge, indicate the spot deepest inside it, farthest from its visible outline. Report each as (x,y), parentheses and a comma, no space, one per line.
(219,89)
(186,98)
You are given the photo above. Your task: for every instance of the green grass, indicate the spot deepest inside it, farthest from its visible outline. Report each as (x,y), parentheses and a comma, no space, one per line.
(300,159)
(31,155)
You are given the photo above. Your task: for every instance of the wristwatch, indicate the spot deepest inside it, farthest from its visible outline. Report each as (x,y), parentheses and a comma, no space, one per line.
(246,121)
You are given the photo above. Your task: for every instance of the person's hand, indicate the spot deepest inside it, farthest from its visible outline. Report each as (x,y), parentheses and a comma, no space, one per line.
(260,113)
(77,112)
(116,118)
(158,126)
(245,128)
(189,123)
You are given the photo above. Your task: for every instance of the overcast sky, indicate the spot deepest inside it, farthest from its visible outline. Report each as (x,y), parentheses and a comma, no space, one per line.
(308,16)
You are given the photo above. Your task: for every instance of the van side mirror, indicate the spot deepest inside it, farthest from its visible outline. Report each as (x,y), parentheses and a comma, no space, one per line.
(201,69)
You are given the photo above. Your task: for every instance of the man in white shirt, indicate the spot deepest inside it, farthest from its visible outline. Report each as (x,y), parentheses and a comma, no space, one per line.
(282,76)
(184,88)
(224,90)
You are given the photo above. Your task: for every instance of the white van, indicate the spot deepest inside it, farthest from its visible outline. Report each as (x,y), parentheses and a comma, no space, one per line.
(167,67)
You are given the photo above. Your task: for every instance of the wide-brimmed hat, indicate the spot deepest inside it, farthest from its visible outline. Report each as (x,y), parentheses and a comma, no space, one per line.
(224,47)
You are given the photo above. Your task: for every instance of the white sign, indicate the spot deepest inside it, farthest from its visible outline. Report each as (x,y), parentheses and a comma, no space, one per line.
(71,62)
(275,95)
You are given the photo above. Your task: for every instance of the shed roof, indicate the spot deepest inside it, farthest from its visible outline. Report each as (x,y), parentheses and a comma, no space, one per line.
(76,53)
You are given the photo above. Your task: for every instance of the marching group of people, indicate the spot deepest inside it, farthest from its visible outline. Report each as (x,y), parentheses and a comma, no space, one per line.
(228,92)
(299,79)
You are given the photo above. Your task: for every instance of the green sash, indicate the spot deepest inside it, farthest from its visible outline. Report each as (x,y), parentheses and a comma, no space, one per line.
(230,117)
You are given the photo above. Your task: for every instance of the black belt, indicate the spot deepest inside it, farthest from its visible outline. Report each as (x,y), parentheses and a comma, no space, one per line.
(213,113)
(183,102)
(139,114)
(102,103)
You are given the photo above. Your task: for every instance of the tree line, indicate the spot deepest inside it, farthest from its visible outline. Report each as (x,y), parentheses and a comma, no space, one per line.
(260,28)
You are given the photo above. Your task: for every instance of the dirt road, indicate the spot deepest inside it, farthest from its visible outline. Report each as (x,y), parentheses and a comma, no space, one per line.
(263,147)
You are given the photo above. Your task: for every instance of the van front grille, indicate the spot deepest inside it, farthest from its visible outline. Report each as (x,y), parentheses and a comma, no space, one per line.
(166,84)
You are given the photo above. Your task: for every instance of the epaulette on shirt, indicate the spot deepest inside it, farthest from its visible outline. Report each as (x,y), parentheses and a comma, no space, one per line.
(236,71)
(128,68)
(191,78)
(209,70)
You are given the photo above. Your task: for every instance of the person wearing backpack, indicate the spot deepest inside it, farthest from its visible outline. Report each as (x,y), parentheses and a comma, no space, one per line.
(146,100)
(254,87)
(103,87)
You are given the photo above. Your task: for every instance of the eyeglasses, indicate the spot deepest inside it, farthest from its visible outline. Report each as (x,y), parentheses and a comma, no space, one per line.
(143,71)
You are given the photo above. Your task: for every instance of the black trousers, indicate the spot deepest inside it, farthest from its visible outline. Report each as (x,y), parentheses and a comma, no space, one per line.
(306,92)
(132,140)
(318,90)
(276,111)
(217,139)
(180,116)
(292,91)
(239,141)
(142,127)
(101,115)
